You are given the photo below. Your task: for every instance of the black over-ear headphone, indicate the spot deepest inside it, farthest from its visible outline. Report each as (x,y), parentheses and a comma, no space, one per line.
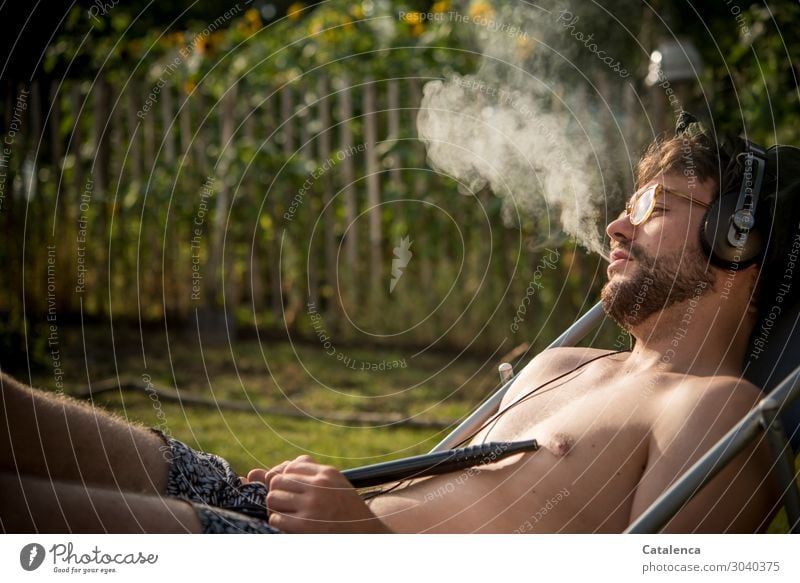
(730,231)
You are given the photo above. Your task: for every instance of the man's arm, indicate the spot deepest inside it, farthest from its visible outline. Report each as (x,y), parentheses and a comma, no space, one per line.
(693,418)
(31,504)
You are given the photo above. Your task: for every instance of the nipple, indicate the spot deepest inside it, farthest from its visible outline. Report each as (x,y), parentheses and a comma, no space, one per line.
(560,444)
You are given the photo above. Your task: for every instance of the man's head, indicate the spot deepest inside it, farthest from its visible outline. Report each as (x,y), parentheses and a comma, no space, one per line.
(660,261)
(665,253)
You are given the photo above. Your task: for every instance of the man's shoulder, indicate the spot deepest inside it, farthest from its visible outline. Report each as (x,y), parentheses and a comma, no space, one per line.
(719,399)
(712,388)
(695,413)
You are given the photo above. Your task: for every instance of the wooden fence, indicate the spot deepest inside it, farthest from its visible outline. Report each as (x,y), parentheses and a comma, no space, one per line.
(136,198)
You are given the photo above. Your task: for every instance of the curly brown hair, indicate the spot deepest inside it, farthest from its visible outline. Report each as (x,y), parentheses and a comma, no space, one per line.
(693,155)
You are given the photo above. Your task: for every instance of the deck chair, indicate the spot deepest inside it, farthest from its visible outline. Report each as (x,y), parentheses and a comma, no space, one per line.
(776,371)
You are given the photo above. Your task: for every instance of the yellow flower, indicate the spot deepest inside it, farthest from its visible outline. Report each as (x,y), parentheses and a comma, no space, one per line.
(357,12)
(217,38)
(525,46)
(316,26)
(417,29)
(253,16)
(412,17)
(204,45)
(295,11)
(189,87)
(481,10)
(439,7)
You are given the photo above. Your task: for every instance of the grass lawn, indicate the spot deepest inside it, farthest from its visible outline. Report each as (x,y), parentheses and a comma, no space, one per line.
(298,378)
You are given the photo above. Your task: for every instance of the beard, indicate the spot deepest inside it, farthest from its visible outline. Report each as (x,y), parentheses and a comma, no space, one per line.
(655,285)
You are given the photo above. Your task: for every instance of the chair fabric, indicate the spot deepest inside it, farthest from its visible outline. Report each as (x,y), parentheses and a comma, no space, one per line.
(774,353)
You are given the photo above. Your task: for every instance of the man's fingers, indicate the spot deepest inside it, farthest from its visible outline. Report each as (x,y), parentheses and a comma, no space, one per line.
(265,475)
(262,474)
(290,482)
(280,521)
(257,475)
(283,501)
(289,523)
(302,469)
(303,464)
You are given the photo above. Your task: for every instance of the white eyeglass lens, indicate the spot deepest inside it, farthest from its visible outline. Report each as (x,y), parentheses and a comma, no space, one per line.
(642,206)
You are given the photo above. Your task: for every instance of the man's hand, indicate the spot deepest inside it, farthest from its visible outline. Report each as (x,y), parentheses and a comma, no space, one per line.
(307,497)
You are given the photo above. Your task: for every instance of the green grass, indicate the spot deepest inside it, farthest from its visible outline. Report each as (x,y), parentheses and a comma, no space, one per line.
(300,377)
(251,440)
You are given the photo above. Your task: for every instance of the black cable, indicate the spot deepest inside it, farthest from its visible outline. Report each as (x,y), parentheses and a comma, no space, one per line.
(530,394)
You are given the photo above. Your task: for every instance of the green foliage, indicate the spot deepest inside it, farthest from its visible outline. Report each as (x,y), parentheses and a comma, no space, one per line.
(178,76)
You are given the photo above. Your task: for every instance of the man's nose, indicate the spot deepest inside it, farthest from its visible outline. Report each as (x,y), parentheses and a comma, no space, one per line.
(621,229)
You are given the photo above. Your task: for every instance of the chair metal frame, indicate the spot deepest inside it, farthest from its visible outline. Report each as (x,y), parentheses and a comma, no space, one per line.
(764,418)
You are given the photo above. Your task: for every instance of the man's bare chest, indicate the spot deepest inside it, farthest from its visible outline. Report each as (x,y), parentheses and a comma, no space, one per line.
(575,407)
(594,434)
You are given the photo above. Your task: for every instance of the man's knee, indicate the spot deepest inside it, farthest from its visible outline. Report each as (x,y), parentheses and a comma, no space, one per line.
(10,387)
(12,394)
(16,394)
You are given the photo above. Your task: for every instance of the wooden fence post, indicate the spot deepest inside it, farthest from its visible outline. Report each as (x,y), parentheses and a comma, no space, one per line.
(253,276)
(328,205)
(149,254)
(72,201)
(101,115)
(294,300)
(351,204)
(171,289)
(393,113)
(222,190)
(36,206)
(310,205)
(62,231)
(134,133)
(273,211)
(373,192)
(185,129)
(424,239)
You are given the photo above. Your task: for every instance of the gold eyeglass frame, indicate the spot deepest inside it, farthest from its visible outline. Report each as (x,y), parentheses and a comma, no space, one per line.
(659,190)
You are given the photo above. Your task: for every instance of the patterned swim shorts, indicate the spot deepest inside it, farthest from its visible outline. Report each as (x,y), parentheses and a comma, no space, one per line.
(220,521)
(212,487)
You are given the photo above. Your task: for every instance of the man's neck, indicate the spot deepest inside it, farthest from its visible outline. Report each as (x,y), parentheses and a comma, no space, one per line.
(699,337)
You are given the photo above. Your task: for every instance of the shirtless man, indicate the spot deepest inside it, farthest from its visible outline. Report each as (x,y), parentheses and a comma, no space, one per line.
(616,428)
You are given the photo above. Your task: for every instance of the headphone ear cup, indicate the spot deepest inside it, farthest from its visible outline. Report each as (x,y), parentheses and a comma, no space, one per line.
(714,235)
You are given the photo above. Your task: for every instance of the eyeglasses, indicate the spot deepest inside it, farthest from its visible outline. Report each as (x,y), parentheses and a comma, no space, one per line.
(641,207)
